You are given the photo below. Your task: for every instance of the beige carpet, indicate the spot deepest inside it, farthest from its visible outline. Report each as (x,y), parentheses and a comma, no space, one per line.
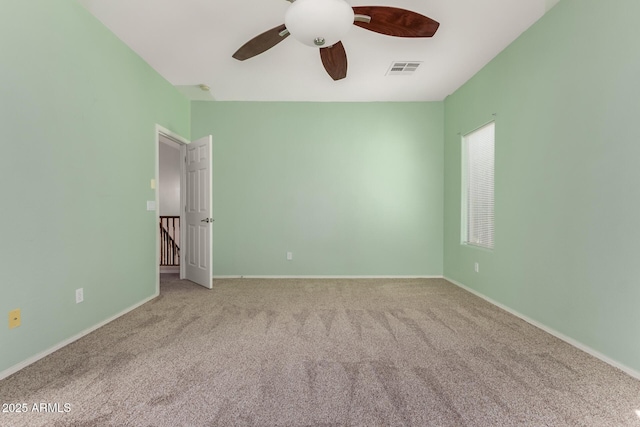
(321,353)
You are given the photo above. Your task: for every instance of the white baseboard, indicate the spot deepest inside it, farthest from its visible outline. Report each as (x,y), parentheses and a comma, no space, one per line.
(553,332)
(15,368)
(326,277)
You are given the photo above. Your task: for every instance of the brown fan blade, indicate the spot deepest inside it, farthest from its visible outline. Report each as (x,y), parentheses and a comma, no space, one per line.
(261,43)
(393,21)
(334,59)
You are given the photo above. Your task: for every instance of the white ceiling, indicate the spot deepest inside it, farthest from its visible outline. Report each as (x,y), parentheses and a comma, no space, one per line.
(190,42)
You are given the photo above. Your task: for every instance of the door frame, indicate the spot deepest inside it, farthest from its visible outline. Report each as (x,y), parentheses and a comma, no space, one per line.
(174,137)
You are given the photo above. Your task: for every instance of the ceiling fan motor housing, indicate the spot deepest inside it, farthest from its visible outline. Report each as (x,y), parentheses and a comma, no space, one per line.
(319,23)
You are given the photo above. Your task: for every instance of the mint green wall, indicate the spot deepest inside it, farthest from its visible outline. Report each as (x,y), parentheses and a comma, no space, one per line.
(349,188)
(77,114)
(567,98)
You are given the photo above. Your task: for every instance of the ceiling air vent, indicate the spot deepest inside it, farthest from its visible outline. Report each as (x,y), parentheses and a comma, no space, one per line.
(403,68)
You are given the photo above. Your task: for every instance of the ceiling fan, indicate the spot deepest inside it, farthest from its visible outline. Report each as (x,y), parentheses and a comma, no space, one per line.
(323,23)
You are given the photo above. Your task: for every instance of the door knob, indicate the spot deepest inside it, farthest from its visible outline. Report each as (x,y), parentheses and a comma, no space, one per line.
(207,220)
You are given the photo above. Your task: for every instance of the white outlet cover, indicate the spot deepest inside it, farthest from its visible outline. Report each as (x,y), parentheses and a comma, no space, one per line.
(79,295)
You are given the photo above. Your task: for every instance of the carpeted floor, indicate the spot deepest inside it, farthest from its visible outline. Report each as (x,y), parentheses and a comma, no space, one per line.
(251,352)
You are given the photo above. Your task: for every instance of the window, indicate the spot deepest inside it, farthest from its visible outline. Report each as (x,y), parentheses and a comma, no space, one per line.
(478,186)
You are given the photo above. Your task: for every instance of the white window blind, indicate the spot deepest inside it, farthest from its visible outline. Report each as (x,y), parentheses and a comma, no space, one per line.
(479,170)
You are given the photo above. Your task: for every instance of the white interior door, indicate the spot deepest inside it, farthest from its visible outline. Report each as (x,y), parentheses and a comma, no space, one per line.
(198,212)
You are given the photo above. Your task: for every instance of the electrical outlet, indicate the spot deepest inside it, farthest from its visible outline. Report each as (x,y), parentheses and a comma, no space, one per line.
(289,256)
(476,267)
(14,318)
(79,295)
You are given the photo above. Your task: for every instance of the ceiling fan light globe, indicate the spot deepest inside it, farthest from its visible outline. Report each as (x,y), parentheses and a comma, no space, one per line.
(308,20)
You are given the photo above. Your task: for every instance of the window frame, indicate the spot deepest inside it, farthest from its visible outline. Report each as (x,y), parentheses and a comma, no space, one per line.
(466,188)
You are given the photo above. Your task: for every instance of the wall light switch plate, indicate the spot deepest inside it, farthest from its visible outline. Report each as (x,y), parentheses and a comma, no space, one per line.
(153,184)
(289,256)
(79,295)
(151,205)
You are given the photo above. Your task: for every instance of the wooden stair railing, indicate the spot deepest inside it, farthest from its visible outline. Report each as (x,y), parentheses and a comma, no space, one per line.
(169,248)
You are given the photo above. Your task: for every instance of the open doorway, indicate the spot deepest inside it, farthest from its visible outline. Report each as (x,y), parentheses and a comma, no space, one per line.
(169,172)
(170,197)
(189,248)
